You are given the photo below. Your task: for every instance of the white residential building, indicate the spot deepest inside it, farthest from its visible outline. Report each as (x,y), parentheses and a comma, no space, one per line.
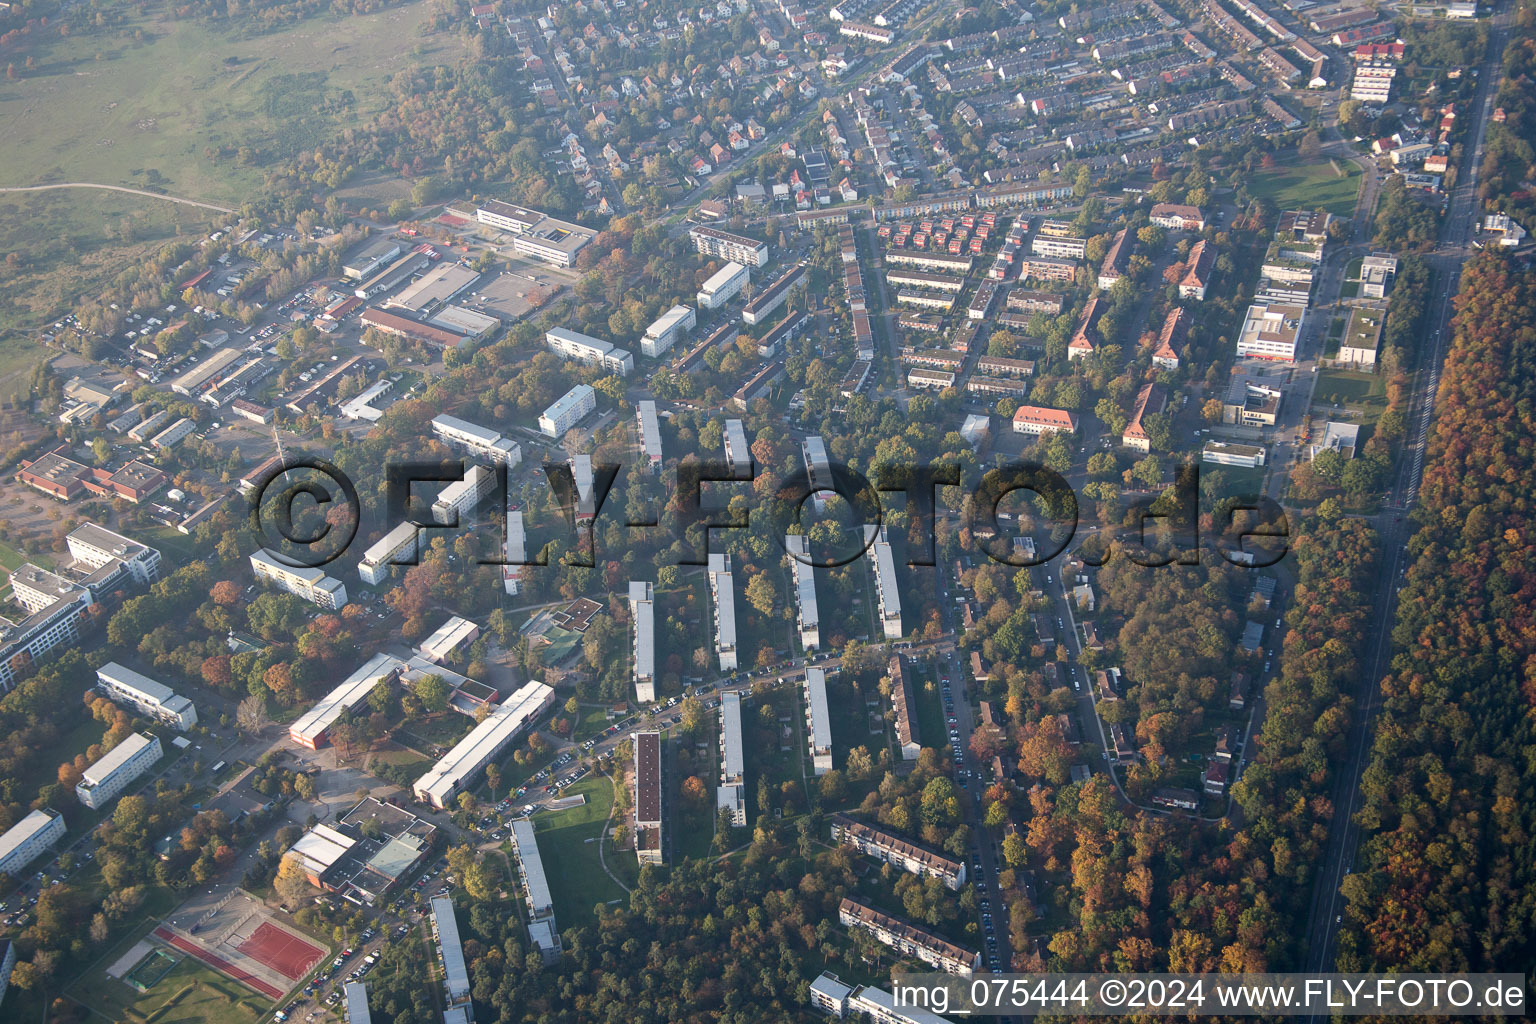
(818,469)
(642,611)
(514,554)
(357,1003)
(589,351)
(722,589)
(865,1002)
(663,333)
(536,893)
(312,585)
(506,722)
(117,769)
(1373,83)
(737,248)
(731,795)
(398,546)
(28,839)
(889,596)
(737,452)
(477,439)
(723,286)
(462,497)
(96,546)
(460,1006)
(150,698)
(818,720)
(567,411)
(807,618)
(650,433)
(1271,331)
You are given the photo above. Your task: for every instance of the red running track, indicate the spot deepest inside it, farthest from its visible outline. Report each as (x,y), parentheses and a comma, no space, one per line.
(285,953)
(218,963)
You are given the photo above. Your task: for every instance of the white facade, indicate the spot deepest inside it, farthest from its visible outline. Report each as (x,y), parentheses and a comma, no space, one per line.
(357,1003)
(723,286)
(150,698)
(514,553)
(818,719)
(642,611)
(461,497)
(95,546)
(737,452)
(396,546)
(1058,248)
(485,741)
(28,839)
(1271,332)
(807,617)
(650,433)
(446,640)
(312,585)
(27,641)
(885,585)
(536,894)
(722,589)
(731,796)
(567,410)
(117,769)
(590,351)
(737,248)
(1373,84)
(478,439)
(667,328)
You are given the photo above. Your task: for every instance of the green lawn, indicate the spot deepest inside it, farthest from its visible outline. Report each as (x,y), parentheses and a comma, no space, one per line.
(11,558)
(577,880)
(1349,387)
(930,707)
(1315,186)
(190,993)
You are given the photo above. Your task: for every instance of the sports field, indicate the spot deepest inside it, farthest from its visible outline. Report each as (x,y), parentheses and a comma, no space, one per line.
(1326,185)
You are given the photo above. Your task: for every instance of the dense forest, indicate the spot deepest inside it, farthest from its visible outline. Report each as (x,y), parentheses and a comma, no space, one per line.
(1448,879)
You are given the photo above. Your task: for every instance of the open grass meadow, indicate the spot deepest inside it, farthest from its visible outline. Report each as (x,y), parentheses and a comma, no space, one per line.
(1324,185)
(190,994)
(568,843)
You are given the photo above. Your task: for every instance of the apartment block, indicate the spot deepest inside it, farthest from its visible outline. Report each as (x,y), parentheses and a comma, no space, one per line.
(117,769)
(313,585)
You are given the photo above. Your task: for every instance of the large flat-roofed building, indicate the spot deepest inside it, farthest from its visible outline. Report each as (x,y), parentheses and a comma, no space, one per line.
(536,234)
(589,351)
(536,895)
(313,585)
(506,722)
(35,588)
(96,546)
(890,848)
(514,554)
(150,698)
(477,439)
(642,612)
(435,288)
(369,258)
(366,852)
(455,972)
(1223,453)
(174,434)
(1252,401)
(445,642)
(391,276)
(312,728)
(723,590)
(117,769)
(865,1002)
(818,720)
(663,333)
(818,470)
(736,248)
(904,707)
(397,547)
(1058,248)
(649,428)
(567,410)
(769,299)
(357,1003)
(433,334)
(807,617)
(723,285)
(24,643)
(192,381)
(1362,337)
(647,802)
(462,497)
(731,796)
(29,839)
(737,452)
(1271,332)
(59,476)
(909,940)
(886,591)
(1377,272)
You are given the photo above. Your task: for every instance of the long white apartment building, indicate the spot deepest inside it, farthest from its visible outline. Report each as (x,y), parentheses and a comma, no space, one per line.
(884,562)
(313,585)
(890,848)
(909,940)
(29,839)
(1058,248)
(818,469)
(478,439)
(664,331)
(357,1003)
(589,351)
(506,722)
(459,1008)
(723,285)
(514,552)
(567,411)
(1271,331)
(117,769)
(96,546)
(737,248)
(642,612)
(731,796)
(536,234)
(150,698)
(737,452)
(536,894)
(835,998)
(649,426)
(818,719)
(722,588)
(462,497)
(397,547)
(312,728)
(806,616)
(584,480)
(28,641)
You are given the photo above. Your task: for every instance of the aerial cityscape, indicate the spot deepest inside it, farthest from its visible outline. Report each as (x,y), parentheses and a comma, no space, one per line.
(661,511)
